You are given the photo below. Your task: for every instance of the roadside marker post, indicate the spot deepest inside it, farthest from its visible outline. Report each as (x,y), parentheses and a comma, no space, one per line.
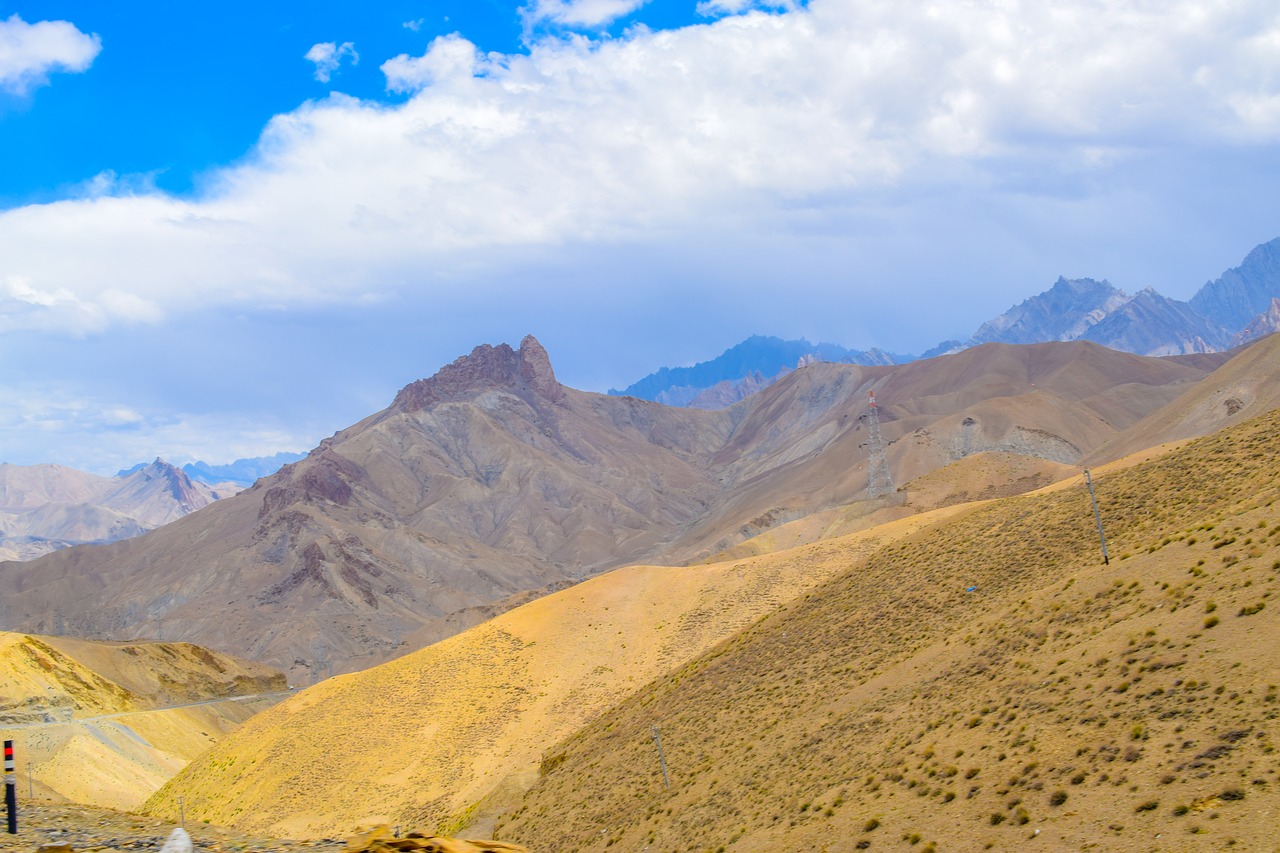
(10,788)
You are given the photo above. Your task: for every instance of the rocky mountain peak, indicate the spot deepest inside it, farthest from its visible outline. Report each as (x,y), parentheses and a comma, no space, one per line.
(526,370)
(1064,312)
(1266,323)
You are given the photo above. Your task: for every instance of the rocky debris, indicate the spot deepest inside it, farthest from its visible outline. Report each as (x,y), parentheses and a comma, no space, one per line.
(381,840)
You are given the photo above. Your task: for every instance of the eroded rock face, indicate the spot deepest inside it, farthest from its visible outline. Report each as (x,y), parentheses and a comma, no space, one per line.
(526,371)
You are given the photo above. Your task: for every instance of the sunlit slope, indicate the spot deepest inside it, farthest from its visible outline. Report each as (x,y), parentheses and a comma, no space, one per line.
(422,740)
(982,684)
(121,760)
(983,476)
(87,720)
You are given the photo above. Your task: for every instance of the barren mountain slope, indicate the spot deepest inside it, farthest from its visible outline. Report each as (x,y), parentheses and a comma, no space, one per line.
(491,479)
(1243,388)
(985,684)
(457,729)
(800,446)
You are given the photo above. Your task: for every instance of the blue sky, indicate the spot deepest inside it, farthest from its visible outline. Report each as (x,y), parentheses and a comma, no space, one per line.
(227,231)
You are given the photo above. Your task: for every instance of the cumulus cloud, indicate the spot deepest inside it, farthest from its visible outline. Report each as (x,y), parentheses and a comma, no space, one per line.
(578,13)
(749,128)
(29,53)
(447,57)
(327,56)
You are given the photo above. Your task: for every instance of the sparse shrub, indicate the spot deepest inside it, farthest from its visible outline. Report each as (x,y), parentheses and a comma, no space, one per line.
(1057,798)
(1078,779)
(1179,811)
(1252,609)
(1149,805)
(997,818)
(1211,621)
(1232,794)
(872,823)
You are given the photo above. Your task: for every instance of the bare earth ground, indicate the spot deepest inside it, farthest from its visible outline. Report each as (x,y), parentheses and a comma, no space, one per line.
(88,828)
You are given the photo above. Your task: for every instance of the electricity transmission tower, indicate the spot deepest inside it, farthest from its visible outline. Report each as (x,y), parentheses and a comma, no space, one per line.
(879,483)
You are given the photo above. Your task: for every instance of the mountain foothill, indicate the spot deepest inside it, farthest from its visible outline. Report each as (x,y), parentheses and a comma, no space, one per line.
(522,588)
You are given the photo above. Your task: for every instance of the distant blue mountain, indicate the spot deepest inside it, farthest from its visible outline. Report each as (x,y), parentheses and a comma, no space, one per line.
(1146,323)
(242,472)
(768,356)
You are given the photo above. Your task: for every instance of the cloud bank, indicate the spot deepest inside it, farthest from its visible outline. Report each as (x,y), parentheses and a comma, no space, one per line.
(756,121)
(29,53)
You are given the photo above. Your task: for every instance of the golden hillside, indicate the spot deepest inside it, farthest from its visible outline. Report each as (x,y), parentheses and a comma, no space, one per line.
(90,721)
(985,684)
(448,734)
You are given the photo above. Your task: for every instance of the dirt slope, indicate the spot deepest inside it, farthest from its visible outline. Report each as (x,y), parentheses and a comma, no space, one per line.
(985,684)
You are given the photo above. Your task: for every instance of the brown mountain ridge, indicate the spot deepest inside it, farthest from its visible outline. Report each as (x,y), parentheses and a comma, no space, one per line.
(490,479)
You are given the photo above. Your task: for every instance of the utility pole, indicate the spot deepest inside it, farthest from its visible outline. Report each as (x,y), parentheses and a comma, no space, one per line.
(879,483)
(657,739)
(1097,516)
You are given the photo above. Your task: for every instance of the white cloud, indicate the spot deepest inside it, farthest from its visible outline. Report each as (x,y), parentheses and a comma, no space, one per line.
(102,435)
(447,57)
(578,13)
(752,128)
(29,53)
(327,56)
(414,25)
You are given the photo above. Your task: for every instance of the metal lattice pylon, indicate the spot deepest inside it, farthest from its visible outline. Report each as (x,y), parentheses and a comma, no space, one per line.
(879,483)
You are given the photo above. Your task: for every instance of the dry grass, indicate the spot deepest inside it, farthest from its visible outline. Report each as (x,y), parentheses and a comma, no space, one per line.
(442,738)
(1084,705)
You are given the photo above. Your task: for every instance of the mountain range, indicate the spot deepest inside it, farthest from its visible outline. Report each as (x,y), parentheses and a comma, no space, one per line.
(241,472)
(47,507)
(490,480)
(1239,306)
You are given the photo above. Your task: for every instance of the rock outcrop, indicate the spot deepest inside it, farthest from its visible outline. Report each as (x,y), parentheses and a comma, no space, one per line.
(526,371)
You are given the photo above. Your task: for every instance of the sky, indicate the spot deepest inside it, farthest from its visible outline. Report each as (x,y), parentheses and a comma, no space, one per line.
(229,231)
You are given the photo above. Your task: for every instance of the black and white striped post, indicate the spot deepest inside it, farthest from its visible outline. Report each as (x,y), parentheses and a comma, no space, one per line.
(10,788)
